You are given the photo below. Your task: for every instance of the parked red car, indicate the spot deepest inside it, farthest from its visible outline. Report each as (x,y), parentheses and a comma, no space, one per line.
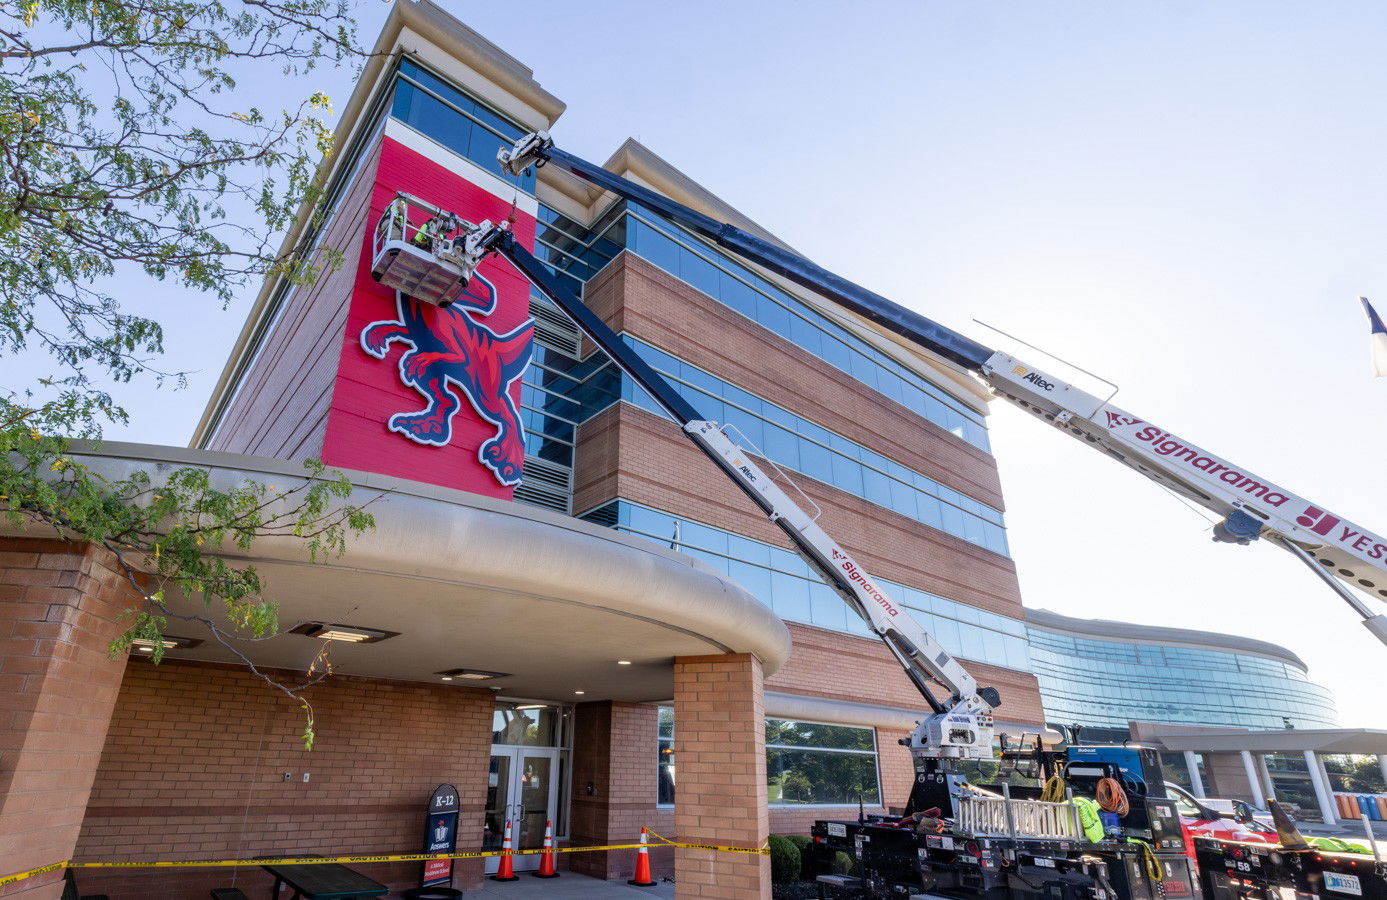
(1200,820)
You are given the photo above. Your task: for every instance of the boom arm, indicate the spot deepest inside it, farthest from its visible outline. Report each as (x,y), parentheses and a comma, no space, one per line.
(960,725)
(1344,555)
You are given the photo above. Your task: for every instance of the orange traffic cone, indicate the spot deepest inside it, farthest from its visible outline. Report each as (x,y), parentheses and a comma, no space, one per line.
(546,856)
(642,878)
(506,872)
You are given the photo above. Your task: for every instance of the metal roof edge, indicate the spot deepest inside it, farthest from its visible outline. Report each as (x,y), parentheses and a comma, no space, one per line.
(1160,634)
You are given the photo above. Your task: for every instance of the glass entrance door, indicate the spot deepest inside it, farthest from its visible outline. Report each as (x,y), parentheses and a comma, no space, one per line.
(522,787)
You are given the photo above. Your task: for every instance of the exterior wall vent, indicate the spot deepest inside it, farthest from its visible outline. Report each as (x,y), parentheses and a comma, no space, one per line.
(553,328)
(546,485)
(603,515)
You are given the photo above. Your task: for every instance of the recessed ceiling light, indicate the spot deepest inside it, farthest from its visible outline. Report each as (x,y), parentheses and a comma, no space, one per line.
(170,642)
(580,692)
(471,674)
(623,662)
(347,634)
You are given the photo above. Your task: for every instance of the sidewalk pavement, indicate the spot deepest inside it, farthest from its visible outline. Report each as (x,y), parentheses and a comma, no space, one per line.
(570,886)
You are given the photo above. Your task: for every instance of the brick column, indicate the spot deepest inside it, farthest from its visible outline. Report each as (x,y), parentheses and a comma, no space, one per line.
(720,759)
(59,604)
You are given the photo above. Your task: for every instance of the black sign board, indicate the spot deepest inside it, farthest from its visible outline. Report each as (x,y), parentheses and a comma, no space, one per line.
(440,836)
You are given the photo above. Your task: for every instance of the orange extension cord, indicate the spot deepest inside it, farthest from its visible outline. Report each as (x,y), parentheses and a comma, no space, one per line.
(1111,797)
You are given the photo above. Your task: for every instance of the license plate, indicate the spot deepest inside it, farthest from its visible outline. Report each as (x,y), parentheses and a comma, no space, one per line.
(1344,884)
(837,829)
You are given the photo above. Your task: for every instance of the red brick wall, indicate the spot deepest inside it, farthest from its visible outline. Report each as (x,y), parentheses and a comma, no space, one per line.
(59,604)
(194,766)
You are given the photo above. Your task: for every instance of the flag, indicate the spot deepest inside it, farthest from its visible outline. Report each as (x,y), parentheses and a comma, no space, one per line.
(1379,338)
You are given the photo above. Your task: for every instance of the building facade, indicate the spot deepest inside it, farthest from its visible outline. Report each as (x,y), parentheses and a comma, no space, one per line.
(1102,675)
(565,611)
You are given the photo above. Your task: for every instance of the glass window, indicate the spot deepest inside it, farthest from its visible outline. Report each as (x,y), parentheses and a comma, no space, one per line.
(664,792)
(527,724)
(806,336)
(736,295)
(876,487)
(814,763)
(459,122)
(827,609)
(790,597)
(756,579)
(698,272)
(772,315)
(816,461)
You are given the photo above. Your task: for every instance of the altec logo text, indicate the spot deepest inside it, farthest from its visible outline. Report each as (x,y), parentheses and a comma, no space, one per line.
(855,575)
(1033,377)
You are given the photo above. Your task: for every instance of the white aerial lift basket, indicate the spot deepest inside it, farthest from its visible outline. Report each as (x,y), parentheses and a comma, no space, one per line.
(398,262)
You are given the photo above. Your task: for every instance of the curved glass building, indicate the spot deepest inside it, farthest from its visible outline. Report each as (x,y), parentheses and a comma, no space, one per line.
(1101,675)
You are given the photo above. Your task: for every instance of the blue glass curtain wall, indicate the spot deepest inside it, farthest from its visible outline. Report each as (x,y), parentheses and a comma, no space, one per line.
(1110,683)
(455,119)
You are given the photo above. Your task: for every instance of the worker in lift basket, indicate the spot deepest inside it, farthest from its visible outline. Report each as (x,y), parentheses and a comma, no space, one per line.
(424,237)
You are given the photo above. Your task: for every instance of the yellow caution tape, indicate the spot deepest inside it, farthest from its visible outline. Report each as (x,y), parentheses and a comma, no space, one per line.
(391,857)
(763,850)
(20,876)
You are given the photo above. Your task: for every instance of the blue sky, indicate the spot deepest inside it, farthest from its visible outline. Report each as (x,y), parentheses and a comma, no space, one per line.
(1185,198)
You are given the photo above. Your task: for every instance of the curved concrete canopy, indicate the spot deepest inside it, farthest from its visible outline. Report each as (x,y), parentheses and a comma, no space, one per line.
(472,582)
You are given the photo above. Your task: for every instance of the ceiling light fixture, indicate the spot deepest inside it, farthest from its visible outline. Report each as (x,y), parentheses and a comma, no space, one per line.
(580,692)
(347,634)
(623,662)
(471,674)
(533,706)
(169,641)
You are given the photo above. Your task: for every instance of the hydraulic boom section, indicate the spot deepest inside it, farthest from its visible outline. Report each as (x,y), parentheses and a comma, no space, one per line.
(959,725)
(1342,554)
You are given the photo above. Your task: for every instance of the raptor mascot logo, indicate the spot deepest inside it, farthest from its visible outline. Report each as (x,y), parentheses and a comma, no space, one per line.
(450,350)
